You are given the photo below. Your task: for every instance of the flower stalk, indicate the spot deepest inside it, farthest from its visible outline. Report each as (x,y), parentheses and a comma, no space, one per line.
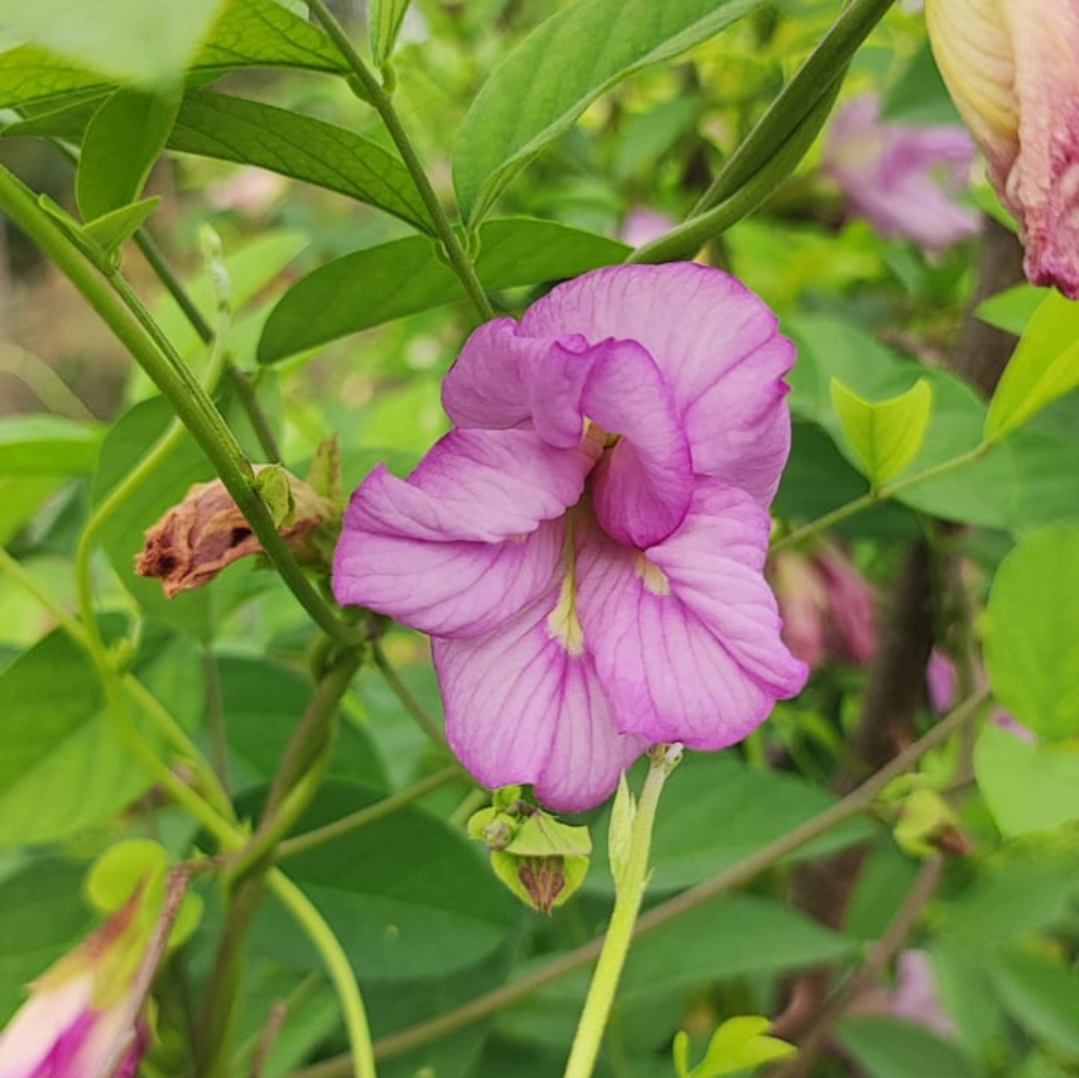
(631,879)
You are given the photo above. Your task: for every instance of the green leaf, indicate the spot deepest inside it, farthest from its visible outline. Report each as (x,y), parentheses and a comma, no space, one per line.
(262,701)
(404,277)
(1044,367)
(982,492)
(737,1045)
(42,916)
(1032,632)
(248,33)
(150,43)
(62,768)
(886,435)
(756,806)
(889,1048)
(385,18)
(1028,787)
(233,129)
(120,146)
(408,896)
(919,97)
(110,231)
(1041,995)
(1012,309)
(729,937)
(558,71)
(47,445)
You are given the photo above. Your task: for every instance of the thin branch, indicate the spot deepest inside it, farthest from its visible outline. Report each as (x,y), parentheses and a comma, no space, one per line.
(745,870)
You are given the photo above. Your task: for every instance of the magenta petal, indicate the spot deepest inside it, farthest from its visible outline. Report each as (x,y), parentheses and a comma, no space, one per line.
(485,387)
(449,589)
(642,488)
(462,544)
(715,344)
(686,637)
(520,708)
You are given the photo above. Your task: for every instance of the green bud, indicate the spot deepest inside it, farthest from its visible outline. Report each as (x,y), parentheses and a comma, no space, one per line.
(273,486)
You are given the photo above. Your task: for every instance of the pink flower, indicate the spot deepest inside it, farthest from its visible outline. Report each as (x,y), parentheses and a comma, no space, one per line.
(941,680)
(642,225)
(79,1020)
(1012,67)
(586,546)
(828,607)
(902,179)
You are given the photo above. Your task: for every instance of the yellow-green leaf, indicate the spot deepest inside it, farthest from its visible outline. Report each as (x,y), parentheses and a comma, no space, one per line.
(1044,367)
(885,435)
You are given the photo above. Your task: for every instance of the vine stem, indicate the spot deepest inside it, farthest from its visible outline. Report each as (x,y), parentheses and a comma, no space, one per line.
(383,104)
(630,883)
(308,840)
(883,493)
(404,694)
(176,382)
(855,803)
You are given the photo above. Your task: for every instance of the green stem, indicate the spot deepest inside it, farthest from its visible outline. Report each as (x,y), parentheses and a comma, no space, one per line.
(630,887)
(797,100)
(404,694)
(239,381)
(854,804)
(383,103)
(179,386)
(308,840)
(687,238)
(337,965)
(889,490)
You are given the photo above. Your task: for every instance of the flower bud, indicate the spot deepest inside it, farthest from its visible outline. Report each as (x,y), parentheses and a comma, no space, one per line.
(1012,68)
(206,532)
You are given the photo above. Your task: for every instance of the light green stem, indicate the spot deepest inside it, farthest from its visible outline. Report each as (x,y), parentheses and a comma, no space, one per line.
(881,494)
(337,965)
(630,883)
(188,399)
(367,816)
(383,103)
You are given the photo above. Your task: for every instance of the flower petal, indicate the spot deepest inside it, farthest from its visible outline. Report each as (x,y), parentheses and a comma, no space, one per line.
(715,344)
(486,387)
(51,1022)
(521,707)
(686,637)
(468,539)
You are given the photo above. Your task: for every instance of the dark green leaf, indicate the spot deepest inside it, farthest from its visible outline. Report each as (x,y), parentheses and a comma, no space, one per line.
(63,768)
(407,896)
(120,146)
(919,97)
(559,70)
(404,277)
(1041,995)
(888,1048)
(233,129)
(47,445)
(262,704)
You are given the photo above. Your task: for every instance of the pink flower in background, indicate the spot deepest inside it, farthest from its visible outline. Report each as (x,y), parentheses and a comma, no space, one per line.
(941,680)
(1012,68)
(587,545)
(916,998)
(902,179)
(828,607)
(81,1018)
(643,225)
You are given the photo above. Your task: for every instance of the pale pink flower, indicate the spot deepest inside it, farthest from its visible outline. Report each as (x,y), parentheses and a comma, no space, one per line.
(586,546)
(1012,67)
(78,1021)
(642,225)
(904,180)
(828,607)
